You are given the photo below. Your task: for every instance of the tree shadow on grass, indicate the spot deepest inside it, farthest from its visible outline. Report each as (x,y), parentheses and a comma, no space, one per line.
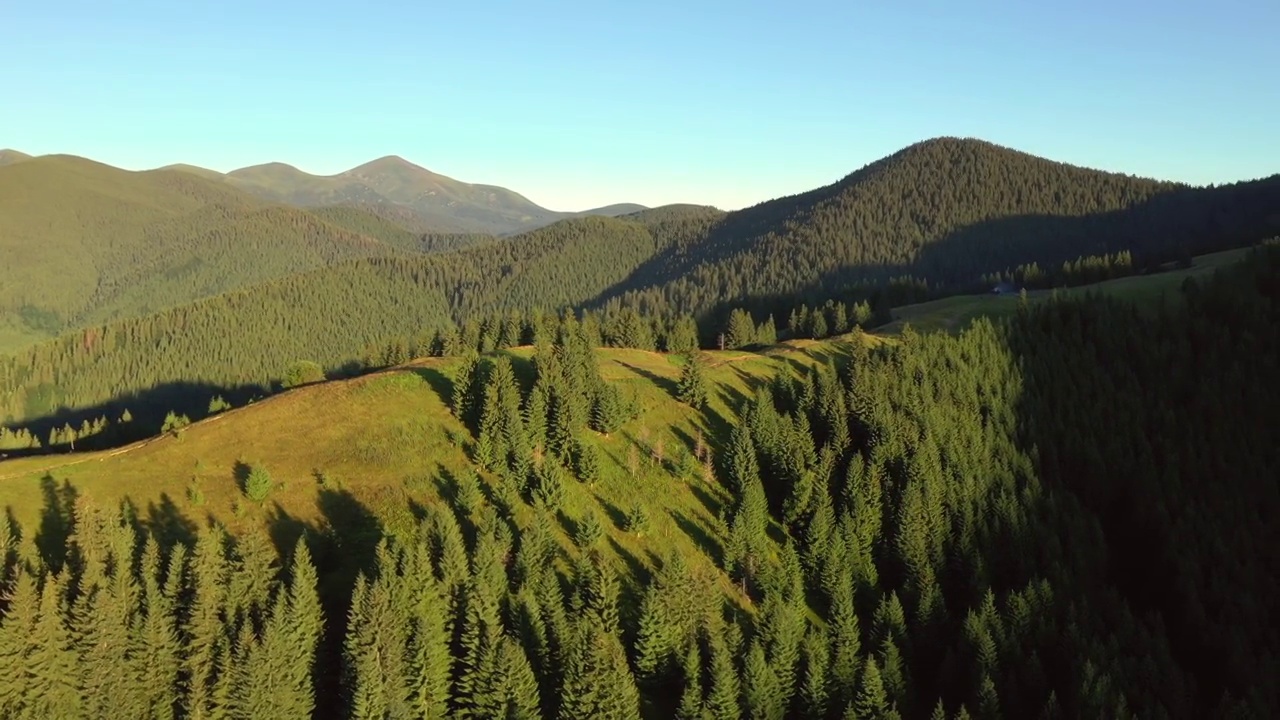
(700,536)
(439,382)
(614,513)
(240,471)
(168,525)
(666,384)
(713,504)
(57,520)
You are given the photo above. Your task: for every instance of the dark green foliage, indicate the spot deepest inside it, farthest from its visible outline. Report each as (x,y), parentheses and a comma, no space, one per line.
(1063,515)
(586,462)
(637,520)
(694,387)
(740,331)
(589,530)
(609,410)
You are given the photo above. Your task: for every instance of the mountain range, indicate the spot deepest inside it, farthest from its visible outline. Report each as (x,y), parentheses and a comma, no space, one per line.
(105,252)
(394,188)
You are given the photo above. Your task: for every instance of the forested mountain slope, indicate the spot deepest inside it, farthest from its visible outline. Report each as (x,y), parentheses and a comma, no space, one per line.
(83,243)
(1064,515)
(251,336)
(944,212)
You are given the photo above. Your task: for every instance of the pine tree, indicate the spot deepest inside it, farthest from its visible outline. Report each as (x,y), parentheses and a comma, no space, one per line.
(724,693)
(761,694)
(301,635)
(159,640)
(694,388)
(586,461)
(814,688)
(846,645)
(607,413)
(513,684)
(17,628)
(682,339)
(870,701)
(204,628)
(740,331)
(49,685)
(597,679)
(690,707)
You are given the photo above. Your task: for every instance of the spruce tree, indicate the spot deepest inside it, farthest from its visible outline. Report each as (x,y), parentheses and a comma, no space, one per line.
(597,679)
(740,331)
(690,707)
(17,628)
(761,694)
(158,636)
(694,387)
(49,683)
(682,338)
(814,688)
(870,701)
(722,701)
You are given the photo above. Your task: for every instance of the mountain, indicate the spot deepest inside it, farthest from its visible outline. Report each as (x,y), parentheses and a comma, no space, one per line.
(437,203)
(942,213)
(9,157)
(615,210)
(85,243)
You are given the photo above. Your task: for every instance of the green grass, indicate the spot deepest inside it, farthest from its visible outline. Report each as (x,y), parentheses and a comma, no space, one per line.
(388,443)
(955,313)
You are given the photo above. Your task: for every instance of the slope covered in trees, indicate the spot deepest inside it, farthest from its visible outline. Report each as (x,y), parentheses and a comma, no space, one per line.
(940,216)
(83,243)
(250,337)
(1064,515)
(943,212)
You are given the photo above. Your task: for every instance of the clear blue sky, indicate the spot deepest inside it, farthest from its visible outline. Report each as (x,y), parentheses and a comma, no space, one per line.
(577,104)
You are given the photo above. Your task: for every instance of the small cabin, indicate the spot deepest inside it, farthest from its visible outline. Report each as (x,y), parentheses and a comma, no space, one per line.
(1004,288)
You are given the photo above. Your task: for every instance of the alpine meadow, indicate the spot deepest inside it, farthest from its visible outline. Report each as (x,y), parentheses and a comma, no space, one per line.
(968,433)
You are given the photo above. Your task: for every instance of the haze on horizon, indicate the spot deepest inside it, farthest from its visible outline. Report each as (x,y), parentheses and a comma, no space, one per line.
(579,105)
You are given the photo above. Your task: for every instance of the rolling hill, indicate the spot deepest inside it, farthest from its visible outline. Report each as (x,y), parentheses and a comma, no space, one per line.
(85,243)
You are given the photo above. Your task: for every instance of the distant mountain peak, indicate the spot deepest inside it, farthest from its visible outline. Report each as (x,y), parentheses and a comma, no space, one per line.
(392,165)
(8,157)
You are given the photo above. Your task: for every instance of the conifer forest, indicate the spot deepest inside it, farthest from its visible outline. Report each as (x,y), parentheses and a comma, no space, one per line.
(677,463)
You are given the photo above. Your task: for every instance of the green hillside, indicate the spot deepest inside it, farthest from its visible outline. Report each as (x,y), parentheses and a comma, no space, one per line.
(250,336)
(994,523)
(1148,291)
(84,243)
(942,213)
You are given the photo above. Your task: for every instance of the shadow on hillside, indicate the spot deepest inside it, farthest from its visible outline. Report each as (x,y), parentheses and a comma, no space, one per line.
(666,384)
(1164,227)
(147,408)
(57,521)
(439,382)
(167,524)
(699,534)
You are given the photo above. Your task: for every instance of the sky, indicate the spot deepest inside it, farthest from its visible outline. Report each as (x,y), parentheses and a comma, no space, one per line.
(577,104)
